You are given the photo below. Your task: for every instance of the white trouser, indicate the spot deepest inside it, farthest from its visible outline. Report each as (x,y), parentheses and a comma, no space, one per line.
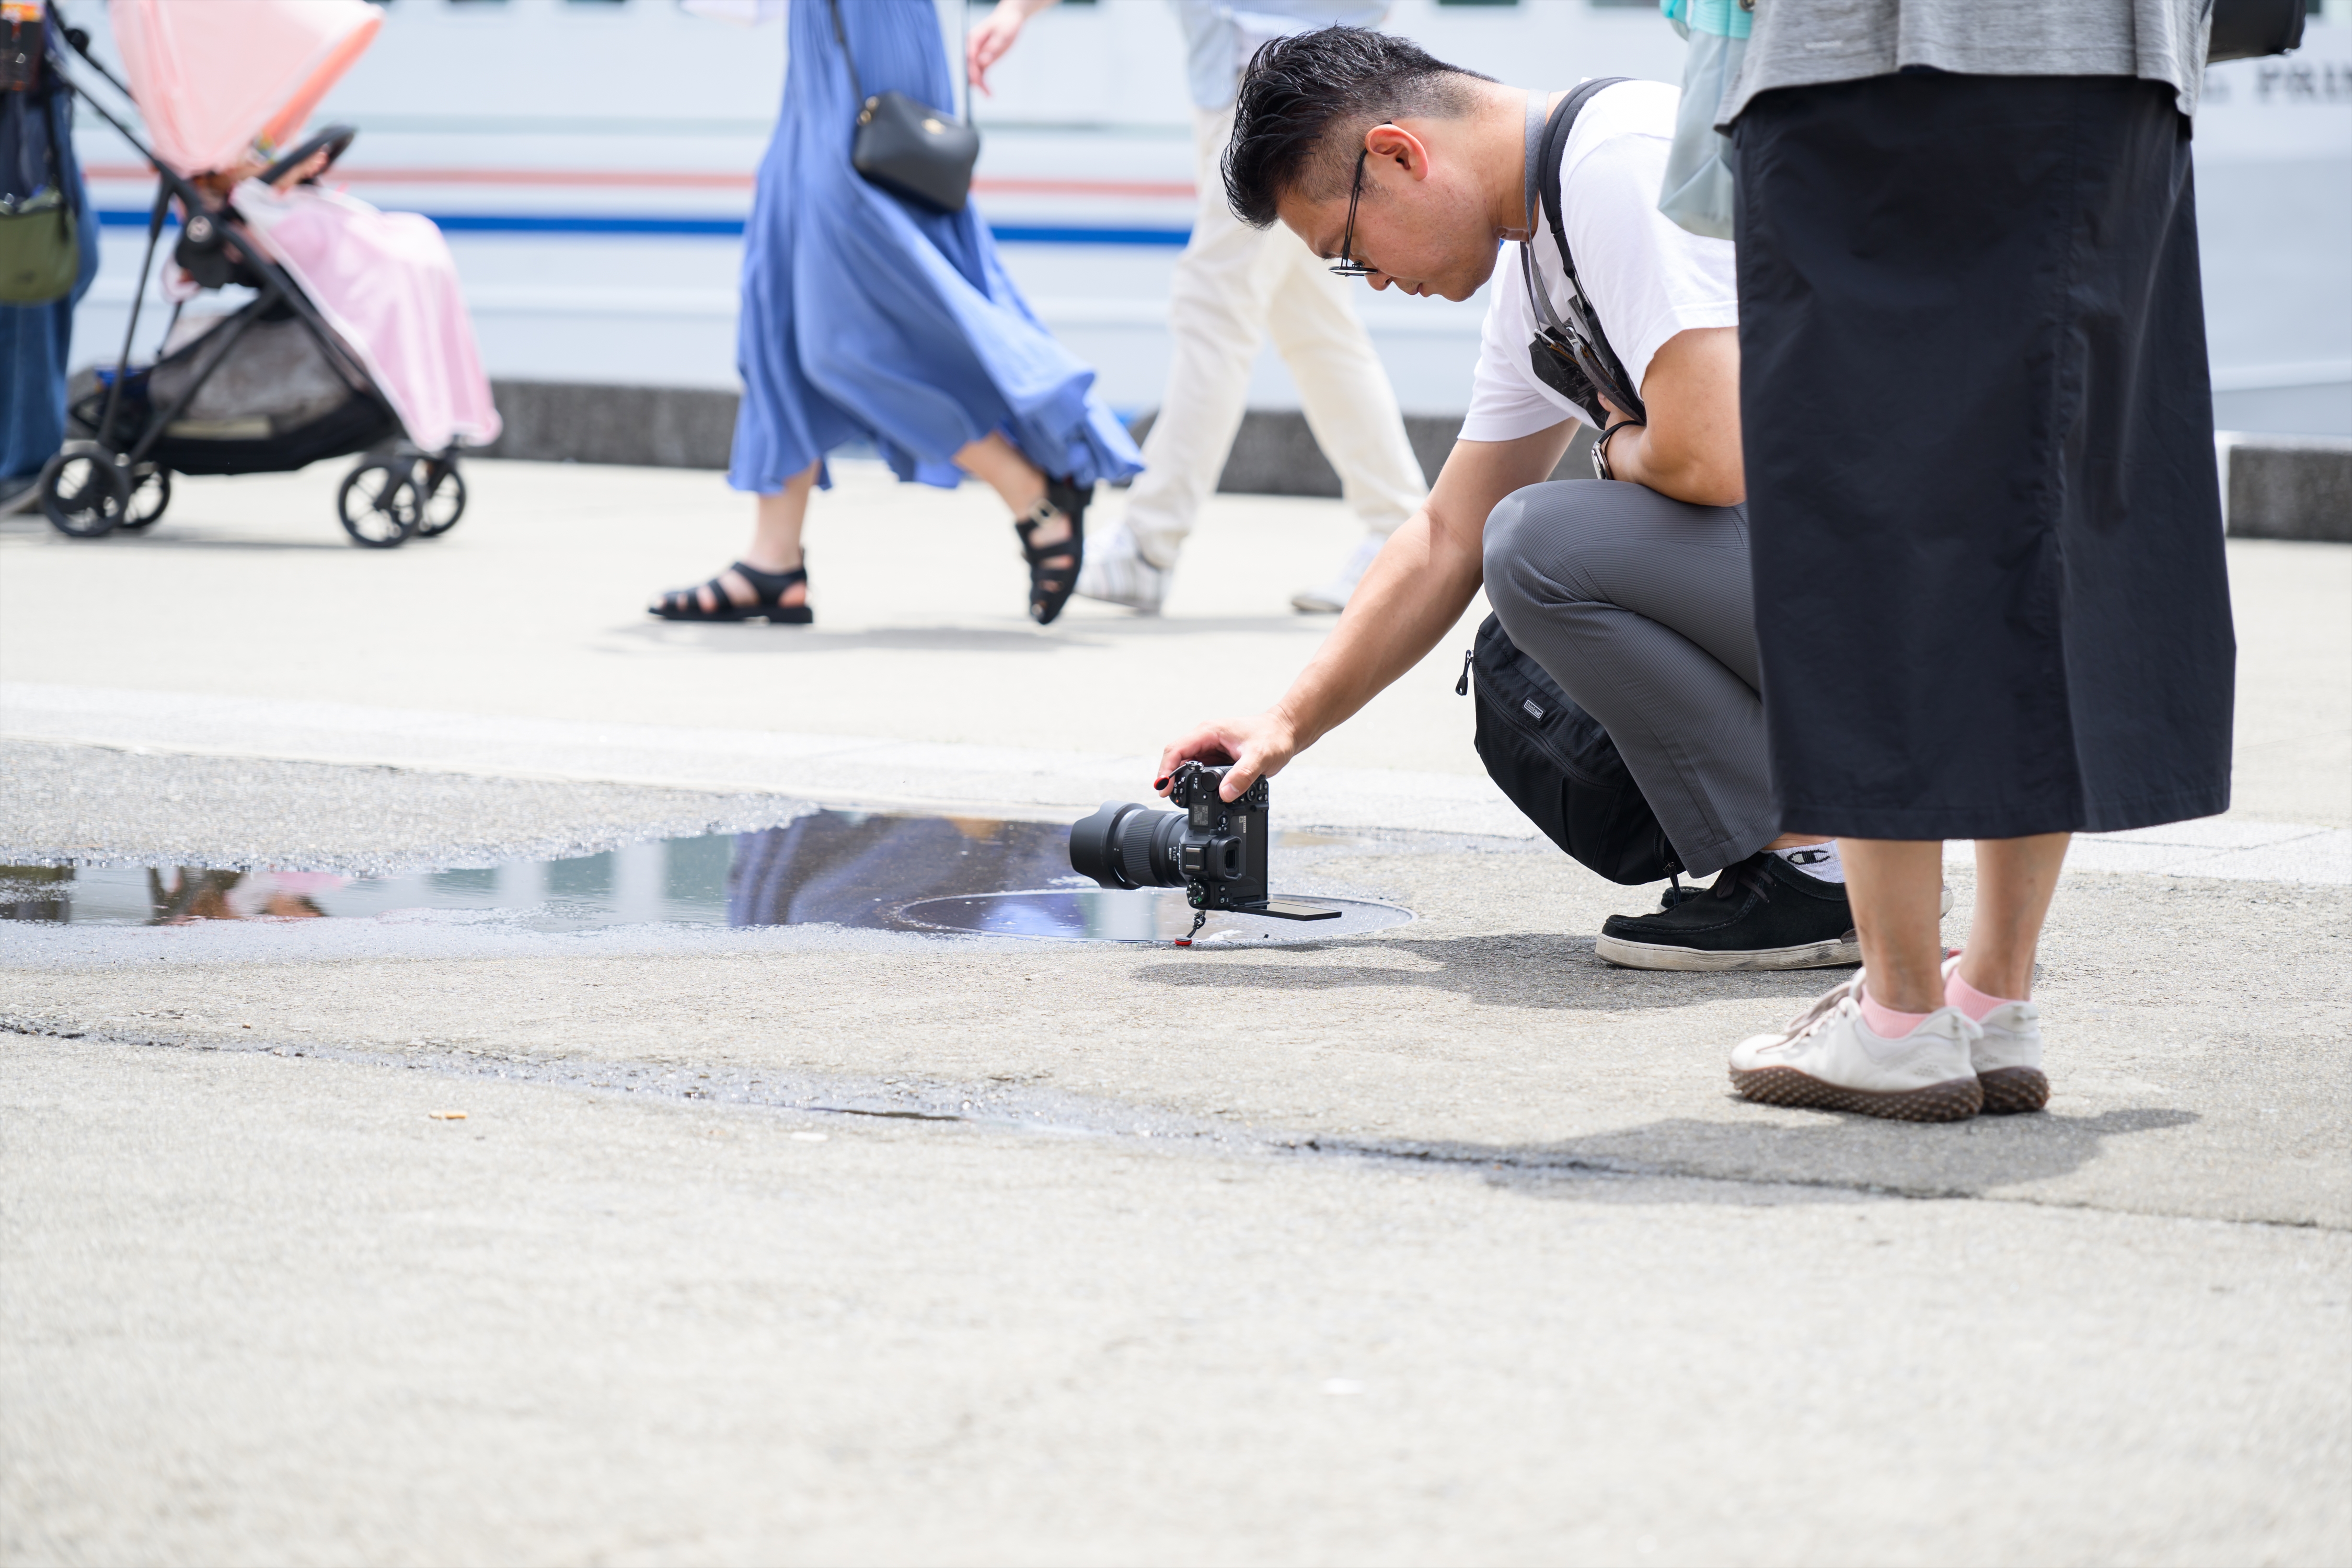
(1233,284)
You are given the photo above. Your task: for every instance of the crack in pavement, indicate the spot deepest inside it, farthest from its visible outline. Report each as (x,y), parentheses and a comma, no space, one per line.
(994,1107)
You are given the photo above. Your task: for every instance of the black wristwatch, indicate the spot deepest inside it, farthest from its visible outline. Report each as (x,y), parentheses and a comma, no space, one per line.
(1600,449)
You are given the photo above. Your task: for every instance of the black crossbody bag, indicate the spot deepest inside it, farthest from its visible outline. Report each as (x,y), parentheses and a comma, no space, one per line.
(1549,756)
(907,147)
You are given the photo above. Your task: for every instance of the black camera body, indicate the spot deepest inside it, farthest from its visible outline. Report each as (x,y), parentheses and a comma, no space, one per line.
(1213,848)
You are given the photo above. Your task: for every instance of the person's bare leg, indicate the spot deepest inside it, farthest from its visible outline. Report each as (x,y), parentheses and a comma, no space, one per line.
(1897,888)
(999,465)
(775,544)
(1020,485)
(2015,877)
(1797,840)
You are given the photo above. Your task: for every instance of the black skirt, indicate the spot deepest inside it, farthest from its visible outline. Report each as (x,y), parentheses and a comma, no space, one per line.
(1990,594)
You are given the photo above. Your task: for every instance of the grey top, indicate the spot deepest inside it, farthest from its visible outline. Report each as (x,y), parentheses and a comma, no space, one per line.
(1799,42)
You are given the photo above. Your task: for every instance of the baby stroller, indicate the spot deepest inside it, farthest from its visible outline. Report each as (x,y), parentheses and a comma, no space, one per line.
(355,338)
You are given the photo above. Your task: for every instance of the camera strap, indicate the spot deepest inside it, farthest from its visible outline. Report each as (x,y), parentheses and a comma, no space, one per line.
(1579,337)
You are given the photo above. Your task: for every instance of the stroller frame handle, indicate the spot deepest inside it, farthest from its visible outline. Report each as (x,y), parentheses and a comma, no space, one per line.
(332,142)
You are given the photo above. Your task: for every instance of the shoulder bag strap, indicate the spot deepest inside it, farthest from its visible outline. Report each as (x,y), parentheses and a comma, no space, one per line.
(1543,175)
(58,108)
(842,37)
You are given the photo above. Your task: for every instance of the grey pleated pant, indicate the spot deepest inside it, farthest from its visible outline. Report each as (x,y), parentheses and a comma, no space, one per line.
(1641,608)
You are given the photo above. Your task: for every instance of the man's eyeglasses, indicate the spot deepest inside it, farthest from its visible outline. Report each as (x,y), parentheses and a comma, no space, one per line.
(1347,266)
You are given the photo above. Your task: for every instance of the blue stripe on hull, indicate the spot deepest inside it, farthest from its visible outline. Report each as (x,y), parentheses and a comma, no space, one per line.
(720,227)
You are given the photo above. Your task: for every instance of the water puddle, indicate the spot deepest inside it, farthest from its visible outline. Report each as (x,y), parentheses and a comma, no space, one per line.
(870,870)
(1096,914)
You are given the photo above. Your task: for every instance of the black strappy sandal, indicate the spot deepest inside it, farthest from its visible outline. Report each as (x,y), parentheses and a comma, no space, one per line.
(1050,585)
(685,603)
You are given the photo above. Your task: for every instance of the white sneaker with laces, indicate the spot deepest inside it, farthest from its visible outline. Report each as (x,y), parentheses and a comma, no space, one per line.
(1115,572)
(2008,1056)
(1829,1059)
(1332,597)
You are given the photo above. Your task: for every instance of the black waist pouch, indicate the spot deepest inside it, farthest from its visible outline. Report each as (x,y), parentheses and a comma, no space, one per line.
(1559,766)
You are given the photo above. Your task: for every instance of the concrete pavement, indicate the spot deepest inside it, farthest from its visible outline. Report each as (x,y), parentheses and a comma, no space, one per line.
(802,1245)
(297,1319)
(529,610)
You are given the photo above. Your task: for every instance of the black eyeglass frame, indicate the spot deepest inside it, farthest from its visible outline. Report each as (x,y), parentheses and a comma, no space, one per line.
(1347,266)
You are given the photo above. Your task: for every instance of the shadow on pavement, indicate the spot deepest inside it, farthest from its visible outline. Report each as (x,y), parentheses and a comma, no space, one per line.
(1828,1157)
(1191,626)
(331,539)
(1520,969)
(758,636)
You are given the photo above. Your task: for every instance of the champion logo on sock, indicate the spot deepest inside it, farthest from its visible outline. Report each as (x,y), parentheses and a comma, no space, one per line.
(1820,862)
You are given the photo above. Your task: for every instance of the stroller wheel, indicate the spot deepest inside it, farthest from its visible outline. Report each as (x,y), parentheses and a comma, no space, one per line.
(444,498)
(150,492)
(84,490)
(378,502)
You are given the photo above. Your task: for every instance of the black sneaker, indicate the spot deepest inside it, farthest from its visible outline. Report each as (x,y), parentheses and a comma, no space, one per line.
(1761,913)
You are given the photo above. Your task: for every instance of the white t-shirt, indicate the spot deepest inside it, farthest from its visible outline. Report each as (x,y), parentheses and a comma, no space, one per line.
(1646,277)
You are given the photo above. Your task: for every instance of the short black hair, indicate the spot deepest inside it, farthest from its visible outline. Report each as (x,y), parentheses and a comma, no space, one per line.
(1301,92)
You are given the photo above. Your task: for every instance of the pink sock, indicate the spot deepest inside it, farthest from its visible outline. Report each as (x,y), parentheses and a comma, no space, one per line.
(1886,1022)
(1959,992)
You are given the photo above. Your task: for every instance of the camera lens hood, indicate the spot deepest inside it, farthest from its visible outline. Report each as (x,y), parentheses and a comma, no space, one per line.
(1127,845)
(1094,845)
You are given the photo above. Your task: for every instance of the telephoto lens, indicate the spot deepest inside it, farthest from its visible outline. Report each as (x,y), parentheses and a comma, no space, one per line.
(1124,844)
(1215,849)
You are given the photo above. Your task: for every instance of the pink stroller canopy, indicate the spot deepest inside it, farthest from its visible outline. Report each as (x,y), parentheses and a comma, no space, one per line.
(212,76)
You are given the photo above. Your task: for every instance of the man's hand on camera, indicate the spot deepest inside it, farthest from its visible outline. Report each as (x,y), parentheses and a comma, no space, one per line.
(1258,747)
(1411,596)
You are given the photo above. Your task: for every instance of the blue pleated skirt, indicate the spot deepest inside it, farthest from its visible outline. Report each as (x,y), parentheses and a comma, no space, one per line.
(866,317)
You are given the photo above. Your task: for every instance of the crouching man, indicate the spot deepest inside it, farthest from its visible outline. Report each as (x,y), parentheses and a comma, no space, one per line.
(1631,590)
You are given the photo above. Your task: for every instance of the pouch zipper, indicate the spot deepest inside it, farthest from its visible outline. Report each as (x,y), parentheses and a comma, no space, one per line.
(1532,731)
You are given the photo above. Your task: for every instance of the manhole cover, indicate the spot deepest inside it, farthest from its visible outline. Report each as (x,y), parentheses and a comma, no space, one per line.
(1096,914)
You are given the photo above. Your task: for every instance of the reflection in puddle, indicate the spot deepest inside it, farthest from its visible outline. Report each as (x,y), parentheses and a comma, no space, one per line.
(36,892)
(1098,914)
(195,894)
(866,869)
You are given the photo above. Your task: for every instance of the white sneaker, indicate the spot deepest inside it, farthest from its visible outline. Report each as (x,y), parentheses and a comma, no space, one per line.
(1332,596)
(2008,1056)
(1115,572)
(1829,1059)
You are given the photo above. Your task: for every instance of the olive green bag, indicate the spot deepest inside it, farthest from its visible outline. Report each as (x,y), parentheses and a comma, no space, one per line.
(40,254)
